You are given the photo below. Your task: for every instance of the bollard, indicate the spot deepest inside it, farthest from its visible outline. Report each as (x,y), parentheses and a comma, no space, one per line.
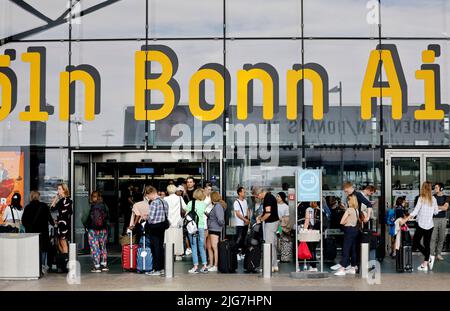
(168,264)
(364,269)
(72,252)
(267,260)
(74,275)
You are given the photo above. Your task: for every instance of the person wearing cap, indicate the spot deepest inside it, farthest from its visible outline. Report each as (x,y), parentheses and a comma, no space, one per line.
(176,213)
(13,213)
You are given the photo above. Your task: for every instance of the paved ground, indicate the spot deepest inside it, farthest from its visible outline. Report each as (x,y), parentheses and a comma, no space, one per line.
(114,280)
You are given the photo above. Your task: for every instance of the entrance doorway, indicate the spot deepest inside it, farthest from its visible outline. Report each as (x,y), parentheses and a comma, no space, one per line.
(113,172)
(406,170)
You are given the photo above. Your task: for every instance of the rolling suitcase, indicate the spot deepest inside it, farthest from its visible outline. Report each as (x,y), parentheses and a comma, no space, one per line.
(407,258)
(403,259)
(144,258)
(129,255)
(252,258)
(330,249)
(227,257)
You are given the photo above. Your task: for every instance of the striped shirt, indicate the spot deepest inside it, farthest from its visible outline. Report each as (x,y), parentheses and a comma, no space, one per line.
(425,212)
(158,209)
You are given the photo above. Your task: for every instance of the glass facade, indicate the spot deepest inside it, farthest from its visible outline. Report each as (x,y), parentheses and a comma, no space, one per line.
(338,35)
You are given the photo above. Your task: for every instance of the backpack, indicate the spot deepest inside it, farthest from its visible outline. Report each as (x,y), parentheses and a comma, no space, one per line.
(191,220)
(390,217)
(325,220)
(98,217)
(256,235)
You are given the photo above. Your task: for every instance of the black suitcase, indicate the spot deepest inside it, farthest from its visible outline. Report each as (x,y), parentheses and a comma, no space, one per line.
(227,257)
(403,259)
(330,248)
(252,259)
(61,262)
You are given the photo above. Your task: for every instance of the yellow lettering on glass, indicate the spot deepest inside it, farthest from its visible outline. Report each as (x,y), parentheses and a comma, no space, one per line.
(6,87)
(35,113)
(161,83)
(243,78)
(292,80)
(369,91)
(219,95)
(428,76)
(89,84)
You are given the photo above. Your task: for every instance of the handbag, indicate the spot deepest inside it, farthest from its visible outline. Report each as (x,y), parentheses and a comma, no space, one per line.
(303,251)
(182,211)
(359,220)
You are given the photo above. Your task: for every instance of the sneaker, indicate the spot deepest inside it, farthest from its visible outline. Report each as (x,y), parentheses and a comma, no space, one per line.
(153,273)
(193,270)
(178,258)
(188,252)
(105,269)
(340,272)
(439,257)
(96,270)
(349,267)
(212,269)
(311,269)
(352,270)
(431,262)
(204,270)
(336,267)
(422,268)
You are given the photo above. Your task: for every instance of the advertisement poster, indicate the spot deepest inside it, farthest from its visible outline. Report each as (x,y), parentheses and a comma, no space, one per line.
(11,177)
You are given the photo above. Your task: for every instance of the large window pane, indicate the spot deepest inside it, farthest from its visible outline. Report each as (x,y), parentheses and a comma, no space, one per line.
(343,18)
(359,166)
(115,63)
(193,18)
(44,20)
(49,133)
(281,55)
(343,123)
(414,18)
(408,130)
(181,129)
(101,19)
(270,18)
(49,167)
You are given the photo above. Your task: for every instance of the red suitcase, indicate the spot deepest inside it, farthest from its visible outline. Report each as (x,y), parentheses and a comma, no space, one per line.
(129,255)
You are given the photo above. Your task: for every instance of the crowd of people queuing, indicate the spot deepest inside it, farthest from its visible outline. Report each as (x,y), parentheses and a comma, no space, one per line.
(158,217)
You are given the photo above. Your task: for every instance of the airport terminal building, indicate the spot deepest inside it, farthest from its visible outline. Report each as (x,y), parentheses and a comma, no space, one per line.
(83,90)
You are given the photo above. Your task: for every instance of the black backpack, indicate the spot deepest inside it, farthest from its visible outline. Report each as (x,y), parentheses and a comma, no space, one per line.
(98,216)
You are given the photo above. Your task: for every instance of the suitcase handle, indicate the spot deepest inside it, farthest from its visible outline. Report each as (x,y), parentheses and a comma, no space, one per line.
(131,248)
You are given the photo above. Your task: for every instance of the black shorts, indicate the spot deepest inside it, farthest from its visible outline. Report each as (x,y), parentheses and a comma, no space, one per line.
(214,233)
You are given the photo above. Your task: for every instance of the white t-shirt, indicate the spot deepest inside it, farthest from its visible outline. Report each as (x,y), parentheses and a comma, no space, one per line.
(283,210)
(7,216)
(237,208)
